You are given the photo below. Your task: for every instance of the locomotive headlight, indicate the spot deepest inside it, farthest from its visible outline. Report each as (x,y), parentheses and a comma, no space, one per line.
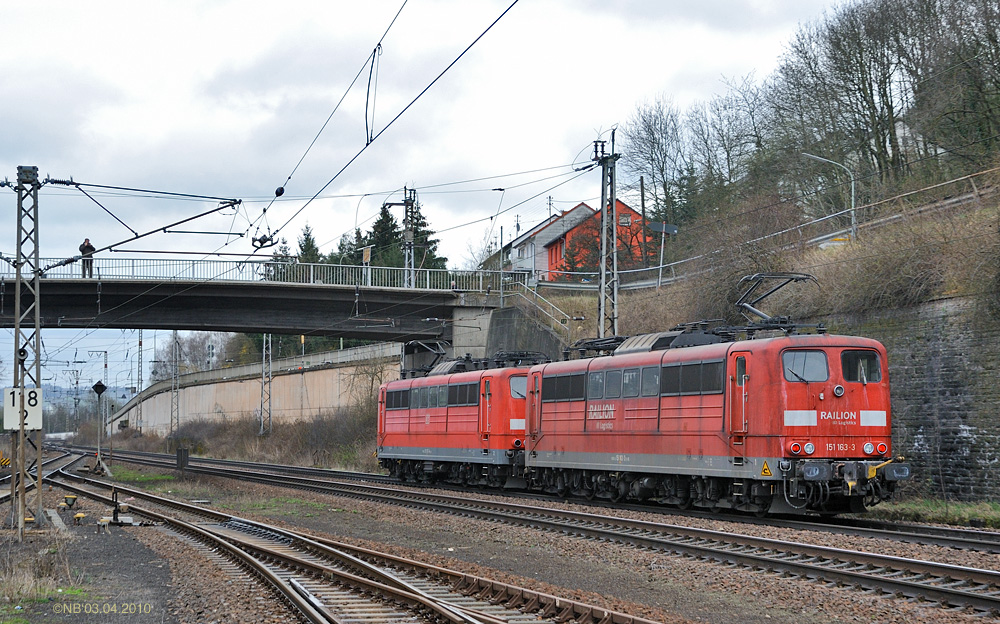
(795,448)
(809,448)
(882,448)
(869,448)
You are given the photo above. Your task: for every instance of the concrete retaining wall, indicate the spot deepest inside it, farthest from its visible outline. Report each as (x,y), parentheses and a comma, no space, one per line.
(299,388)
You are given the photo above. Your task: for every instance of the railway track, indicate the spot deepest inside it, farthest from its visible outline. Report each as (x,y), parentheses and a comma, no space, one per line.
(317,479)
(948,585)
(53,463)
(325,581)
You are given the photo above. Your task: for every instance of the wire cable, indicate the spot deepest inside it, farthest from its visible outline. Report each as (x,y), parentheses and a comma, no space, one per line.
(394,119)
(371,57)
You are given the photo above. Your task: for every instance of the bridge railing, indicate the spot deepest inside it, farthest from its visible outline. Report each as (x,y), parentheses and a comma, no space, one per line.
(162,269)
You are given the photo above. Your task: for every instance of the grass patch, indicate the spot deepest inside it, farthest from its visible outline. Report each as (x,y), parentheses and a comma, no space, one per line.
(136,476)
(288,506)
(981,514)
(33,570)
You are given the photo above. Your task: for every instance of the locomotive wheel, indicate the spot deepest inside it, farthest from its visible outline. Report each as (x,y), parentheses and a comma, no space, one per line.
(561,489)
(619,492)
(686,504)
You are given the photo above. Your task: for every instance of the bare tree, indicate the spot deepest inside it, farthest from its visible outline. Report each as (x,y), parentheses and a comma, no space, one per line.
(652,147)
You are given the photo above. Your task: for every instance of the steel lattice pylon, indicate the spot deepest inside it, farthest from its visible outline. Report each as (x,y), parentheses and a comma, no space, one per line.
(608,279)
(175,409)
(265,387)
(27,342)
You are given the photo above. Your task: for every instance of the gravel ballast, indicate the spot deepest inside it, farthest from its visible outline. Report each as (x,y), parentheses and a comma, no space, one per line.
(658,586)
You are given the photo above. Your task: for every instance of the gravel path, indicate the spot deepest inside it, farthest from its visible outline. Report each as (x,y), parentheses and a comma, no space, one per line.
(116,578)
(666,588)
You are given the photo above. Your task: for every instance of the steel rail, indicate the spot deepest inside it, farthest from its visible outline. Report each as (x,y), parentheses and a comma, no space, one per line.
(512,597)
(288,592)
(945,537)
(385,585)
(30,484)
(946,584)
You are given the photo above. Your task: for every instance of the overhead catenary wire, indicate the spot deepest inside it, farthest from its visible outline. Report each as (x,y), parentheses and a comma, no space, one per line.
(371,57)
(394,119)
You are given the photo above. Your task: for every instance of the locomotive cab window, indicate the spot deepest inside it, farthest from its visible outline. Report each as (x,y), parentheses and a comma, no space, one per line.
(397,399)
(861,366)
(518,387)
(805,366)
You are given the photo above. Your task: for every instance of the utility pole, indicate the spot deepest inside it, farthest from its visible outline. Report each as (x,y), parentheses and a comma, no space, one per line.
(138,385)
(265,387)
(74,375)
(175,360)
(409,204)
(642,204)
(27,341)
(608,283)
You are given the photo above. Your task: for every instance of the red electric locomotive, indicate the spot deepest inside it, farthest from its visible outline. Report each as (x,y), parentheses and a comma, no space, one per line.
(779,423)
(457,427)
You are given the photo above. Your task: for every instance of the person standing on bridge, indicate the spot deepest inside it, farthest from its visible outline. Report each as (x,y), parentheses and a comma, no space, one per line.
(87,251)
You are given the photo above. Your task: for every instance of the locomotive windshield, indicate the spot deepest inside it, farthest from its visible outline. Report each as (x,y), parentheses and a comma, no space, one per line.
(519,387)
(861,366)
(805,366)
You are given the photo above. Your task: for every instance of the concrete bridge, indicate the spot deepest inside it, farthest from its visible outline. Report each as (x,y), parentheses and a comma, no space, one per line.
(374,303)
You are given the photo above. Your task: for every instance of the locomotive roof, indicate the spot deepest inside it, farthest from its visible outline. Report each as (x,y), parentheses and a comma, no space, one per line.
(653,346)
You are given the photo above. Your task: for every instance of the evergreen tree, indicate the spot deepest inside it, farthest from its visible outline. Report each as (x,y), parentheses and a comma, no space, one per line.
(424,247)
(386,240)
(308,249)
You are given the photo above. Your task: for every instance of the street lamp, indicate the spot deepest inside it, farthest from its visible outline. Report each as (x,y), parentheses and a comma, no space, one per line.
(854,220)
(663,228)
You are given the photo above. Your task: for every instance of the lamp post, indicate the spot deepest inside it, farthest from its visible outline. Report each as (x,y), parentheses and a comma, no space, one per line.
(663,228)
(854,220)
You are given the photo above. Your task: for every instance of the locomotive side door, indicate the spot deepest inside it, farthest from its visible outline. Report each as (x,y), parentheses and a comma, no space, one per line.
(533,406)
(381,415)
(739,395)
(485,407)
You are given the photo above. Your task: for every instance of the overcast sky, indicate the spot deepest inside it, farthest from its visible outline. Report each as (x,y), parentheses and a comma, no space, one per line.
(224,98)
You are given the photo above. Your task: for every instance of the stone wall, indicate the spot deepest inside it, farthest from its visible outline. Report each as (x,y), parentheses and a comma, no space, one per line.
(944,367)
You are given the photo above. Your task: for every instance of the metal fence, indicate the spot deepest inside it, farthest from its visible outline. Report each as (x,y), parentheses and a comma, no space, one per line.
(160,270)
